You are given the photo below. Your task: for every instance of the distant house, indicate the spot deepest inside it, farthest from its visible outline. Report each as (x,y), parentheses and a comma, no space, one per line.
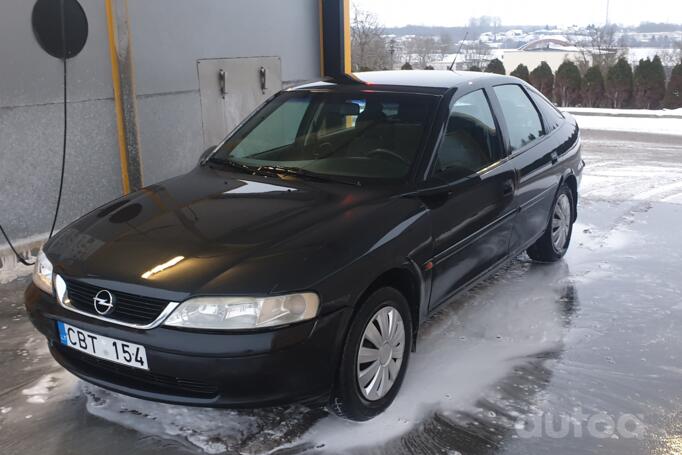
(551,49)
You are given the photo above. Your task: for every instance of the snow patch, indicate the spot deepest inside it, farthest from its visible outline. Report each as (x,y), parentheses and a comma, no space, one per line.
(463,352)
(213,431)
(51,387)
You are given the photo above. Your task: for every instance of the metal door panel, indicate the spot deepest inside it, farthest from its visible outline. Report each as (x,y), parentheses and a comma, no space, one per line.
(225,103)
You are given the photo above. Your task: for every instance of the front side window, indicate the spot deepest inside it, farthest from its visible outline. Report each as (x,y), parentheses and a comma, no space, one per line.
(371,135)
(523,121)
(471,140)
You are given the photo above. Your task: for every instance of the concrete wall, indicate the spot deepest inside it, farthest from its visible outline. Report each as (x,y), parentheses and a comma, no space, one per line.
(168,37)
(31,125)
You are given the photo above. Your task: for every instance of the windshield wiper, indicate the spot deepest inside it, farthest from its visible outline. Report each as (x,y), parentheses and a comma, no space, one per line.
(236,165)
(300,172)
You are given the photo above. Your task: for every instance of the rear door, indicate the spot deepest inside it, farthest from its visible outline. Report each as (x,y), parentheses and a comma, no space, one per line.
(533,158)
(471,226)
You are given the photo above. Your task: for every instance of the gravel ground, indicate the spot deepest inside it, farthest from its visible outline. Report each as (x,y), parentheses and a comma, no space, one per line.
(582,356)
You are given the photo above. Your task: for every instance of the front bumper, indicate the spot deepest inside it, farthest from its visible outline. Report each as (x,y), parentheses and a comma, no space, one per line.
(296,363)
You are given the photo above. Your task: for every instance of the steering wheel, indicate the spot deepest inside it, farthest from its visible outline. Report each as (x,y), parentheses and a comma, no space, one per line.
(388,153)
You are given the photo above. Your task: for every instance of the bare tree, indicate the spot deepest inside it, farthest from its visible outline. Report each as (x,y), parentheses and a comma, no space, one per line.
(445,44)
(369,50)
(476,54)
(424,48)
(600,47)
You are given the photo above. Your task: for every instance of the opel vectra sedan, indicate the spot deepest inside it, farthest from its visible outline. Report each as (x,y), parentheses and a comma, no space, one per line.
(297,260)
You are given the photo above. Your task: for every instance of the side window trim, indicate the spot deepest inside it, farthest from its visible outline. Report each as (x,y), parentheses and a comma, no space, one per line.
(503,151)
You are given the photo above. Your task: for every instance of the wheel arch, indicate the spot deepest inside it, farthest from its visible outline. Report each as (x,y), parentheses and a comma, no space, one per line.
(408,281)
(570,180)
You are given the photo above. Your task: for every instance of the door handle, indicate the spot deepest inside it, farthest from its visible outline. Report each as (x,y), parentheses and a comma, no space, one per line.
(508,188)
(221,83)
(263,74)
(555,157)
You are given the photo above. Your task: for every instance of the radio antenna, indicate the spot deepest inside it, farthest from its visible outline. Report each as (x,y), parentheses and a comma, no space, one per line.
(454,60)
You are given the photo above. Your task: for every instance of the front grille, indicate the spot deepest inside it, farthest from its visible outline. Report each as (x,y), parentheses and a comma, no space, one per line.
(132,377)
(129,308)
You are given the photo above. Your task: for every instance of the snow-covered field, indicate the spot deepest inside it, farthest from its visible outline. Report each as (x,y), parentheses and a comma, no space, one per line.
(660,125)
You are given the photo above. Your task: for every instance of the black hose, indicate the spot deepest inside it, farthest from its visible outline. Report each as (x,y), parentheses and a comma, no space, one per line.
(61,176)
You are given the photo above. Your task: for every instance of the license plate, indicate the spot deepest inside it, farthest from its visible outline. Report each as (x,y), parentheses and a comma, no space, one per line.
(132,355)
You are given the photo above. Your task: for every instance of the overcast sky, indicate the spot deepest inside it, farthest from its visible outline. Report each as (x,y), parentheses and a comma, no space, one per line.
(517,12)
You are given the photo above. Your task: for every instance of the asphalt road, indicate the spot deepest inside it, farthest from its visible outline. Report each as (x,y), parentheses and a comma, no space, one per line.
(582,356)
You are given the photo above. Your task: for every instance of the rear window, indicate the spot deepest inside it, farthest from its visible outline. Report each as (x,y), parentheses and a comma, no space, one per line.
(552,116)
(523,121)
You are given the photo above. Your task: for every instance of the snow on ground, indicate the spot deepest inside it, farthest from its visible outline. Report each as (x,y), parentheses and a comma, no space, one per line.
(671,126)
(624,112)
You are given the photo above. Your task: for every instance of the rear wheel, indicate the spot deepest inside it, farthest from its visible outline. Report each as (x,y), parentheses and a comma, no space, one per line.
(375,356)
(554,242)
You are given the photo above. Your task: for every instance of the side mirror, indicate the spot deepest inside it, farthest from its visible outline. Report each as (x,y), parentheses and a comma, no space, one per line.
(204,156)
(438,186)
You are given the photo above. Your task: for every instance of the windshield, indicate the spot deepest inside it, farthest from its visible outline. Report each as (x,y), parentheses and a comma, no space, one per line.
(360,135)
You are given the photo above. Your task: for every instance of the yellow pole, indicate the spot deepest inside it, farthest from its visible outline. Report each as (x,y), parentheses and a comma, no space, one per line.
(118,101)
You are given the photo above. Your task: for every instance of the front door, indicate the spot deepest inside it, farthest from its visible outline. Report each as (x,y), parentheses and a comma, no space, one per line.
(472,225)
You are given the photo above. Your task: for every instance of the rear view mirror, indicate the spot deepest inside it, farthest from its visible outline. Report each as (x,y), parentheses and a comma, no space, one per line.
(204,156)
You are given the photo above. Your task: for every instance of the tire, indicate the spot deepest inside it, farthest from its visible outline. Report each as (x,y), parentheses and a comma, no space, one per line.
(349,399)
(552,247)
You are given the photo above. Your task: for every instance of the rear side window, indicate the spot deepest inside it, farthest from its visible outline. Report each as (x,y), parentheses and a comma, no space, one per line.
(550,113)
(471,140)
(521,116)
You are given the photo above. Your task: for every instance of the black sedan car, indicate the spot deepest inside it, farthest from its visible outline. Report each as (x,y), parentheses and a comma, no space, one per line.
(297,260)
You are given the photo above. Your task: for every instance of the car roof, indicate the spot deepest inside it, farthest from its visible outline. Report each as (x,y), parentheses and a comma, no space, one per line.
(441,80)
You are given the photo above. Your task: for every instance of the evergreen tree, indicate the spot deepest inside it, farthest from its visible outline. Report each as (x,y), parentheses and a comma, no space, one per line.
(649,84)
(593,87)
(521,72)
(567,84)
(406,66)
(496,66)
(542,79)
(474,68)
(619,83)
(673,95)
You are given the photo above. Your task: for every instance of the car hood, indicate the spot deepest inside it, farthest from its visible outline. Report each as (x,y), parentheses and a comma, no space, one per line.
(213,232)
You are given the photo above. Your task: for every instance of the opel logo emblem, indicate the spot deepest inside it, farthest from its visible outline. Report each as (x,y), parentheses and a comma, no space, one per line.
(104,302)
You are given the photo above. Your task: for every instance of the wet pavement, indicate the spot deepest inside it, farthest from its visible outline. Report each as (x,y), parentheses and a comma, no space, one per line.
(582,356)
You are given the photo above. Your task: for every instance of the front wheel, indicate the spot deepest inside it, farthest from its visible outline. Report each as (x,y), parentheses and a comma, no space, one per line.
(554,242)
(375,356)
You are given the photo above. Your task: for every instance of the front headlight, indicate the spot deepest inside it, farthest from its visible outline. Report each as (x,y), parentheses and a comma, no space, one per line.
(42,272)
(219,313)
